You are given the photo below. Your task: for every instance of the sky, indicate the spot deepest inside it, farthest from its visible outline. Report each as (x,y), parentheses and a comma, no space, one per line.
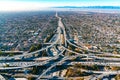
(19,5)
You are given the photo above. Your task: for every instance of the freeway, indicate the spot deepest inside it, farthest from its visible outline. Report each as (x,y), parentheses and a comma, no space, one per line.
(31,64)
(54,64)
(91,51)
(86,63)
(12,51)
(27,63)
(95,55)
(57,39)
(108,58)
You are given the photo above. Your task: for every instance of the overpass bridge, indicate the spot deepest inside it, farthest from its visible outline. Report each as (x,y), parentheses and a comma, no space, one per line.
(61,39)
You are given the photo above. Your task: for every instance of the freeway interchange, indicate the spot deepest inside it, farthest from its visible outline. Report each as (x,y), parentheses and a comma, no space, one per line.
(60,37)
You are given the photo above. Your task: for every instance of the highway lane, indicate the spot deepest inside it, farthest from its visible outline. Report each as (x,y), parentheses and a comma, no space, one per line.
(107,58)
(81,47)
(117,64)
(60,24)
(98,76)
(12,51)
(74,52)
(104,72)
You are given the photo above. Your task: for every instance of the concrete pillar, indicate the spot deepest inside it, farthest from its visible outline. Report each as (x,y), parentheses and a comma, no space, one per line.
(76,39)
(62,38)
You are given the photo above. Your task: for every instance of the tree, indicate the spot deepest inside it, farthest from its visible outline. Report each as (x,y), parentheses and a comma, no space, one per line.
(1,53)
(30,78)
(33,48)
(117,77)
(114,52)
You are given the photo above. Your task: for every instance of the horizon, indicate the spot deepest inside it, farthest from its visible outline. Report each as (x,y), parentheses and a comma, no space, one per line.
(22,5)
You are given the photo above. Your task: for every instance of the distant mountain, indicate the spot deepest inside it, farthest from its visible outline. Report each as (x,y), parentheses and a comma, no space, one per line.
(93,7)
(103,7)
(67,7)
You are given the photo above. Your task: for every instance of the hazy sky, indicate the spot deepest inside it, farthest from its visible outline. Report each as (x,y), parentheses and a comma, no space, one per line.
(13,5)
